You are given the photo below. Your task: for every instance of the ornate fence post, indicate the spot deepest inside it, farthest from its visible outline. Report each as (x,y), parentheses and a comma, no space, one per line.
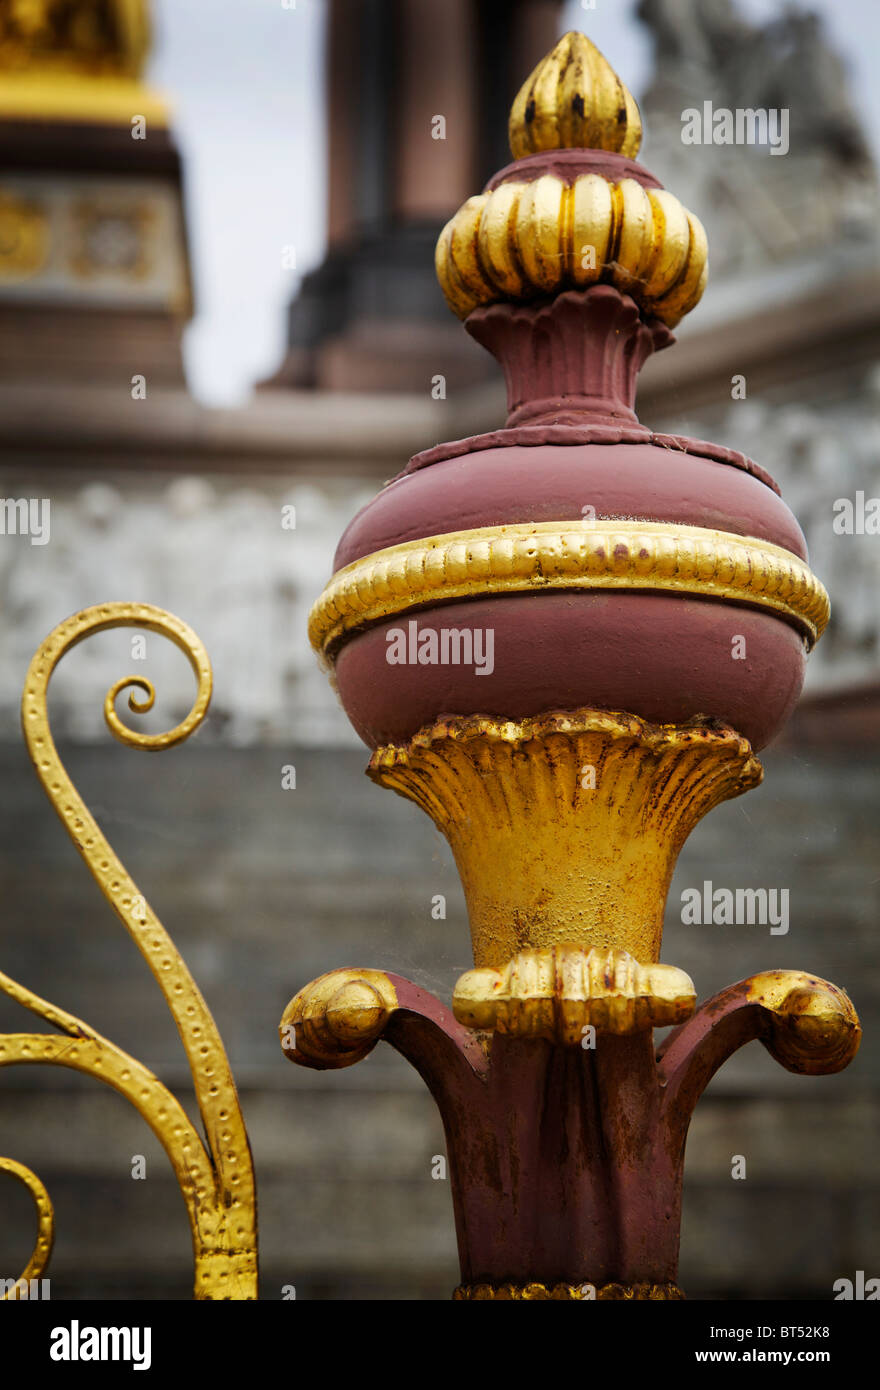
(535,631)
(215,1172)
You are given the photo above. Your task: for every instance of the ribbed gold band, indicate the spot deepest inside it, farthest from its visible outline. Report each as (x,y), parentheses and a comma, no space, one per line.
(627,555)
(523,240)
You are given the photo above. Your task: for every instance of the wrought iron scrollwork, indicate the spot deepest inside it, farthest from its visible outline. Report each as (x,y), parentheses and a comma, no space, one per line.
(216,1178)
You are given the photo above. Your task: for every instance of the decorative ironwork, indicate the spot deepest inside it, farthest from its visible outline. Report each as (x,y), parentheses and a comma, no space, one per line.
(595,1184)
(565,1127)
(78,60)
(567,1293)
(546,223)
(574,100)
(215,1177)
(546,852)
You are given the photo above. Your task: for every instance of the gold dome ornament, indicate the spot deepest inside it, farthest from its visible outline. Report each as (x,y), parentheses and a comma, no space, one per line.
(574,210)
(574,100)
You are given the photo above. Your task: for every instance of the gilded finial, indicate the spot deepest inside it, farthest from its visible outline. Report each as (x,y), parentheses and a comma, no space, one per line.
(574,100)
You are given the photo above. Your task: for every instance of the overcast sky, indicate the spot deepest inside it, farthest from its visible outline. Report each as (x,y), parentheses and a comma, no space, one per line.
(245,79)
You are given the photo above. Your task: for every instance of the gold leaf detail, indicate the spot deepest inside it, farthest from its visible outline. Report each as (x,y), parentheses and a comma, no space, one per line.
(645,555)
(525,239)
(574,100)
(557,993)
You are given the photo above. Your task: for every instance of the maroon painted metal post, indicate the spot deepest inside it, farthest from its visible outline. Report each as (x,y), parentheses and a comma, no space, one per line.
(565,640)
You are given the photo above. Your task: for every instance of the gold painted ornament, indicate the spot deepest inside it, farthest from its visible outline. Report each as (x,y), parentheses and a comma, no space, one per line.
(574,100)
(215,1175)
(536,231)
(537,556)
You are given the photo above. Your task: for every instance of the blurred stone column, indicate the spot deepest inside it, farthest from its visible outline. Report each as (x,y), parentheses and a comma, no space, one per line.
(370,317)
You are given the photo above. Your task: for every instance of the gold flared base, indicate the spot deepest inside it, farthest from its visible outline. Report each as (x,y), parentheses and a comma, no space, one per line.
(566,828)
